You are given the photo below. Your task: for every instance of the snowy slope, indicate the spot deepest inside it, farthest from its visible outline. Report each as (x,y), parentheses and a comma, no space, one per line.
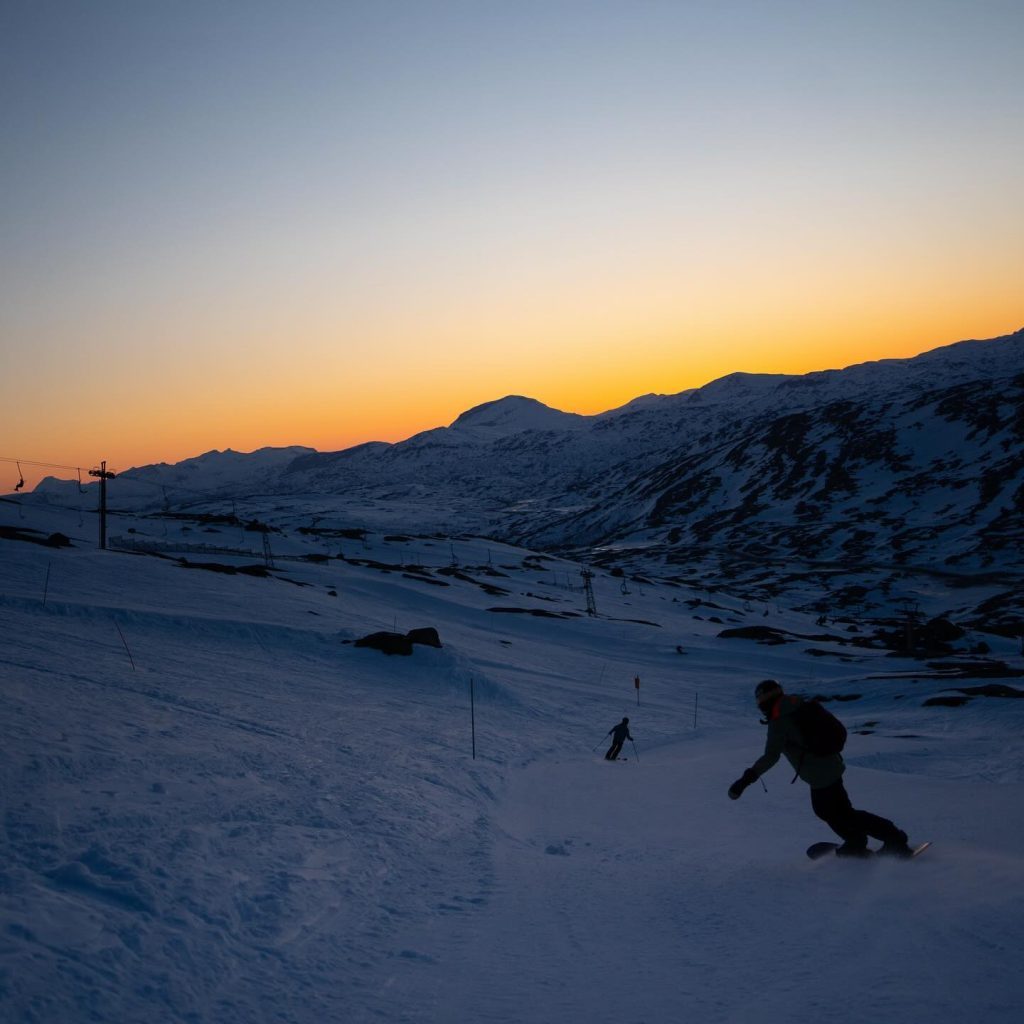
(219,809)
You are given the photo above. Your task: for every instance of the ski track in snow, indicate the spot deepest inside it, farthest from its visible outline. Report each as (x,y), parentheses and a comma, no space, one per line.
(607,907)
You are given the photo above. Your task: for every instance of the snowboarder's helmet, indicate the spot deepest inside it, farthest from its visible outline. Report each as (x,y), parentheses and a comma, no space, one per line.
(625,720)
(766,690)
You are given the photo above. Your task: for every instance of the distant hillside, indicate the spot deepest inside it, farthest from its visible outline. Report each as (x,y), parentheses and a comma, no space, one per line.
(875,468)
(903,461)
(911,461)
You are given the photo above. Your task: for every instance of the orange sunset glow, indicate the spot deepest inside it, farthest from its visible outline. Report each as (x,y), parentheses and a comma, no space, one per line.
(260,225)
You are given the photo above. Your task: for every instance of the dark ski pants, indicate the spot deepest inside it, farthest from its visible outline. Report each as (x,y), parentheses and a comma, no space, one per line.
(832,805)
(613,750)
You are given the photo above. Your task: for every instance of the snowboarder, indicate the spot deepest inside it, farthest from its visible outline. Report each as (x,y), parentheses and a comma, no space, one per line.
(619,734)
(823,773)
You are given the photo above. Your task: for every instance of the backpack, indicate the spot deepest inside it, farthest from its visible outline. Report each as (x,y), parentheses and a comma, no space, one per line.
(821,732)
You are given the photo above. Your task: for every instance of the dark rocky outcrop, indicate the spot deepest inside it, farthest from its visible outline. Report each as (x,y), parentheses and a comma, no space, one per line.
(425,635)
(400,643)
(389,643)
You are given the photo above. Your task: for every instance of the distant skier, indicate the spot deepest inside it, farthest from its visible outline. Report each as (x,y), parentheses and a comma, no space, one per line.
(822,772)
(619,734)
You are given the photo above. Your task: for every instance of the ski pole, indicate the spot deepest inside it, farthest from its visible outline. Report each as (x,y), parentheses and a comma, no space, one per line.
(635,754)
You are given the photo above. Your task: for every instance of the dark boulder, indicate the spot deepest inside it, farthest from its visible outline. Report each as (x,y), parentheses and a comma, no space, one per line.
(941,631)
(762,634)
(945,702)
(389,643)
(400,643)
(426,635)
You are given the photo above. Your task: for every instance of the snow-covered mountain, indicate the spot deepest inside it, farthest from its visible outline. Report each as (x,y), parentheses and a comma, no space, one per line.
(915,461)
(512,415)
(163,484)
(910,462)
(876,468)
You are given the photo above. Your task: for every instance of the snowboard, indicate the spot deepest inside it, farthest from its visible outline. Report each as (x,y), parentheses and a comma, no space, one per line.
(816,850)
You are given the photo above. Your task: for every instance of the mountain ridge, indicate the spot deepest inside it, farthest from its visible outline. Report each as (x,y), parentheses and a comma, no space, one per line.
(896,462)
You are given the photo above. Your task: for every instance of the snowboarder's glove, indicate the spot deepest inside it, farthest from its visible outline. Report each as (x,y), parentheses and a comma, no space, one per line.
(736,789)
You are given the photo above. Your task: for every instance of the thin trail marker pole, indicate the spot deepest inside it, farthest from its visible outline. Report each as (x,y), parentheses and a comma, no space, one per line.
(472,715)
(636,686)
(125,642)
(695,711)
(46,582)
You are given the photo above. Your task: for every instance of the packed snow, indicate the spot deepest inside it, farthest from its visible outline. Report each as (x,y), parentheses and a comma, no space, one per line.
(218,808)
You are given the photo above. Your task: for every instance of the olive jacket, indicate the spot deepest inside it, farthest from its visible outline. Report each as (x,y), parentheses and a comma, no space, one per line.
(784,738)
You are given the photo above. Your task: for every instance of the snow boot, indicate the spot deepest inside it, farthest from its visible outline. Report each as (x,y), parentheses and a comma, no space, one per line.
(897,846)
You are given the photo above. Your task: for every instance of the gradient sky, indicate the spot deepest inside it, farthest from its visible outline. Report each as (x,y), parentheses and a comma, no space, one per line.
(237,224)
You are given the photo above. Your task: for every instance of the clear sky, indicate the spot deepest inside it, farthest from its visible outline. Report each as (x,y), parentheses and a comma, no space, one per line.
(237,224)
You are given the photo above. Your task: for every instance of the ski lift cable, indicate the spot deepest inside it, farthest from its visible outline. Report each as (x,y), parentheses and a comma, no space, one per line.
(19,462)
(44,465)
